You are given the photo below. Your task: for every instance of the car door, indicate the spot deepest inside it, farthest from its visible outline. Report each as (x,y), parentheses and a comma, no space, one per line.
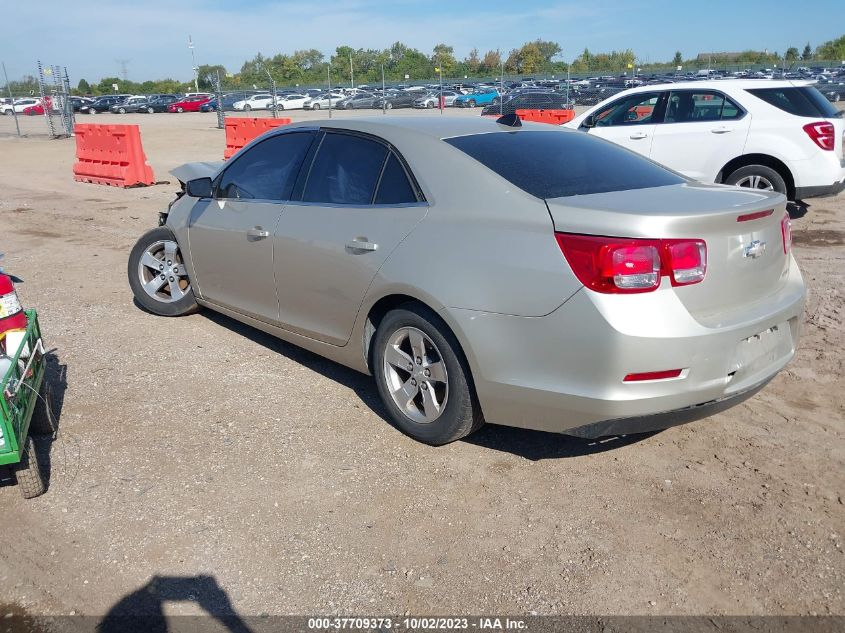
(358,203)
(706,120)
(629,120)
(231,236)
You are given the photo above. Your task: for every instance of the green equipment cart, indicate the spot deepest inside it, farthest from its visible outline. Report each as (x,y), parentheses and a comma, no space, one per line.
(24,410)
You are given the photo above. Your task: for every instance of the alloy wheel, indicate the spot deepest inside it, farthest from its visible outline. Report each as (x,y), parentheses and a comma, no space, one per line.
(162,272)
(755,181)
(416,375)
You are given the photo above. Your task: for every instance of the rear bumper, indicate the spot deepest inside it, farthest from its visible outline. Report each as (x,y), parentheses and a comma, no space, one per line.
(564,372)
(802,193)
(665,420)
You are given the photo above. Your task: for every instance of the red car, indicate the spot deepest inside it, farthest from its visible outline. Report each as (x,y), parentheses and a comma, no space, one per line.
(189,104)
(38,108)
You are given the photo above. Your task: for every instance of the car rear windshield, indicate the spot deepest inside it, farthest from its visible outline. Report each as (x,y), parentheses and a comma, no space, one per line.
(803,101)
(559,163)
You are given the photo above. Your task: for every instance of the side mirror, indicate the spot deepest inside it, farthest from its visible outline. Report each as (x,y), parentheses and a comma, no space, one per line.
(589,122)
(199,188)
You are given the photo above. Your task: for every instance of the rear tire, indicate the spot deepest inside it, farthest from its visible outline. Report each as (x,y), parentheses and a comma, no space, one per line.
(758,177)
(168,291)
(42,422)
(28,474)
(461,413)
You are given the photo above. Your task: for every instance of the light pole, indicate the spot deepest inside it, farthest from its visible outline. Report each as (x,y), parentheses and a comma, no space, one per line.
(273,82)
(351,72)
(194,61)
(329,79)
(383,94)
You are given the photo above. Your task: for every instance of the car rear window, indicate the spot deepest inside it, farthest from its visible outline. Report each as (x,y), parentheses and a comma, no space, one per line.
(803,101)
(557,163)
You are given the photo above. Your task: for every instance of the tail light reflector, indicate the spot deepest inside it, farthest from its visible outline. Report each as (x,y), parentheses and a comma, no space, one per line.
(822,133)
(786,232)
(653,375)
(629,265)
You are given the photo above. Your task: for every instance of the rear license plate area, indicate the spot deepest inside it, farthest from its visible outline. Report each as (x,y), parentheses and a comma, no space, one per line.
(762,350)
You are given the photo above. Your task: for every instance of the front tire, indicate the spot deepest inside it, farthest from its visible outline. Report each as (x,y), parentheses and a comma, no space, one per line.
(423,378)
(158,277)
(28,473)
(758,177)
(122,110)
(316,106)
(471,103)
(150,110)
(180,110)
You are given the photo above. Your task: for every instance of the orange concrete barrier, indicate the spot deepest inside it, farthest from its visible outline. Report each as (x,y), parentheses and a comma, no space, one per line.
(110,155)
(554,117)
(240,131)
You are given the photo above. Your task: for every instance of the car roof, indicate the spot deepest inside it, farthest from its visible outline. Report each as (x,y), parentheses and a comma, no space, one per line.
(421,126)
(719,84)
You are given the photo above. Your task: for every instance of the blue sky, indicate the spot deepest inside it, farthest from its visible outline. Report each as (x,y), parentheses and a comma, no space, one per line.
(152,34)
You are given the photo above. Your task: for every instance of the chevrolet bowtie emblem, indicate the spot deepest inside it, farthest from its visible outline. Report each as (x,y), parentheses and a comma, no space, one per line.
(754,250)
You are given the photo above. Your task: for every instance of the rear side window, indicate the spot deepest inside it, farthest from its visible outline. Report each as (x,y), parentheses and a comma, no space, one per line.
(803,101)
(689,106)
(394,187)
(555,164)
(346,170)
(266,171)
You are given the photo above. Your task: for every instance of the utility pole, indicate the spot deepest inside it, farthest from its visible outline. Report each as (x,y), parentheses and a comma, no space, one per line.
(502,87)
(440,71)
(9,89)
(194,62)
(351,72)
(273,82)
(329,79)
(383,95)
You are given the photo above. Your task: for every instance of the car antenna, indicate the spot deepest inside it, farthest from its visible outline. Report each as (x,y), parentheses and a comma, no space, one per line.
(511,120)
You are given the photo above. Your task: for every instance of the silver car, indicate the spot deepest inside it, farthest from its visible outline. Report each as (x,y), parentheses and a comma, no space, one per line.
(519,274)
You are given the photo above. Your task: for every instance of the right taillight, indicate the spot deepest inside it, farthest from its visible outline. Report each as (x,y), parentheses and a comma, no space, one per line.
(786,232)
(630,265)
(822,133)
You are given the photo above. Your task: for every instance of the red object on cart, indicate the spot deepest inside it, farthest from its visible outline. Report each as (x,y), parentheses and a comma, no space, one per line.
(12,316)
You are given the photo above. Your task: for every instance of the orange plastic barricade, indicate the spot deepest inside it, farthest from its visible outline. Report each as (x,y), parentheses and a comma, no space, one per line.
(110,155)
(240,131)
(555,117)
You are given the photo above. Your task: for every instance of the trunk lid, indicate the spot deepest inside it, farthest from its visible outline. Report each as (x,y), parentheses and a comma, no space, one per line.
(745,260)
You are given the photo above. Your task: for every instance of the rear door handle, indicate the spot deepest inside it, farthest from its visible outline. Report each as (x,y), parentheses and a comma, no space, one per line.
(257,233)
(361,245)
(638,135)
(720,130)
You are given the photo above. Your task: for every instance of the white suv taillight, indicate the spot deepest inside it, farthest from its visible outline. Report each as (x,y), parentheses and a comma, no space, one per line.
(823,134)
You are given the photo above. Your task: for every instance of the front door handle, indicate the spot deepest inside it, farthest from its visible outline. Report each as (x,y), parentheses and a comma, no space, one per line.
(257,233)
(720,130)
(361,245)
(638,135)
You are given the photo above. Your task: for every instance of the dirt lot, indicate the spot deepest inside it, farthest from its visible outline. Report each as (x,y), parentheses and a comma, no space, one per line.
(198,447)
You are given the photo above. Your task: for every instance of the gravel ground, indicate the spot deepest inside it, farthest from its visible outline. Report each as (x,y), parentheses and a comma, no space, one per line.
(203,450)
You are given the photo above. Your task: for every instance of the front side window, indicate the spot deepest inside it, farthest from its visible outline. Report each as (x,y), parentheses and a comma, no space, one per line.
(346,170)
(690,106)
(266,171)
(634,109)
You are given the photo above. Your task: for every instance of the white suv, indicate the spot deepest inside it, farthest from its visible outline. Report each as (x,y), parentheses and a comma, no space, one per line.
(776,135)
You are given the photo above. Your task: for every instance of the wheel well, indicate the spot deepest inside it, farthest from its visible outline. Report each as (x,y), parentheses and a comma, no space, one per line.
(378,312)
(761,159)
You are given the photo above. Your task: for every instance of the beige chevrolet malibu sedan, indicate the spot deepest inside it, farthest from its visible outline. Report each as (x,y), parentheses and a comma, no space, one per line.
(485,270)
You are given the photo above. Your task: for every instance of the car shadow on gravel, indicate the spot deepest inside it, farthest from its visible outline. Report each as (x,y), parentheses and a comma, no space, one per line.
(537,445)
(361,384)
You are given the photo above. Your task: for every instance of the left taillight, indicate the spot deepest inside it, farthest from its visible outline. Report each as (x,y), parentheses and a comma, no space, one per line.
(786,232)
(823,134)
(614,265)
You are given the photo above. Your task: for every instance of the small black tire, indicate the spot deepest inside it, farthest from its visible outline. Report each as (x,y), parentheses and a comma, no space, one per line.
(181,307)
(28,473)
(762,171)
(462,414)
(42,422)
